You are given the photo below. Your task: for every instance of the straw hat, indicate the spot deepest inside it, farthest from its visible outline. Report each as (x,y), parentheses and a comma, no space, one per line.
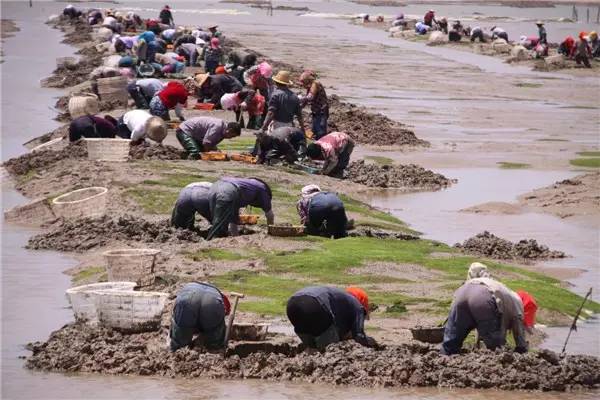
(283,78)
(539,23)
(201,79)
(156,129)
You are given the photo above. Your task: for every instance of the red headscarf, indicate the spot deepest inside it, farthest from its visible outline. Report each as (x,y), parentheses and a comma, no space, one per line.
(582,35)
(529,306)
(360,295)
(220,70)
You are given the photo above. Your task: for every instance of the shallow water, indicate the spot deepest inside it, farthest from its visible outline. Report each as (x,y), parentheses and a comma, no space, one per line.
(33,301)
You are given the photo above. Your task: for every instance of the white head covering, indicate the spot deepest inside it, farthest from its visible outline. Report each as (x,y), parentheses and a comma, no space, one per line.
(478,270)
(200,184)
(310,190)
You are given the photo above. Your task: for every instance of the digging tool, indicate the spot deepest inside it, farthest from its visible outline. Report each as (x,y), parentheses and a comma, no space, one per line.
(574,324)
(229,329)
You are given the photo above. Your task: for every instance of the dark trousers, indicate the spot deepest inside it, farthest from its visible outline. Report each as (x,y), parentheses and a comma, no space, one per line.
(319,124)
(582,59)
(343,161)
(308,316)
(210,66)
(224,207)
(327,216)
(122,129)
(141,101)
(503,35)
(474,307)
(478,35)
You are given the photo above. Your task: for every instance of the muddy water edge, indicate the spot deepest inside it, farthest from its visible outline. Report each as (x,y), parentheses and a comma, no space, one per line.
(23,317)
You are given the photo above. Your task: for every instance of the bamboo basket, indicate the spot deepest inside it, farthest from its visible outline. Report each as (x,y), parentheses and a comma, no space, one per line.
(108,149)
(83,299)
(245,158)
(129,311)
(286,230)
(249,219)
(81,203)
(213,156)
(83,105)
(36,213)
(136,265)
(113,89)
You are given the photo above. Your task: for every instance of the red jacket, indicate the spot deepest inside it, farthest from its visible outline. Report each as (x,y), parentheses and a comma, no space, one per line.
(428,17)
(173,94)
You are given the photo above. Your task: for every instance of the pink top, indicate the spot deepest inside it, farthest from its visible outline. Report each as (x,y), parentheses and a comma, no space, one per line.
(333,143)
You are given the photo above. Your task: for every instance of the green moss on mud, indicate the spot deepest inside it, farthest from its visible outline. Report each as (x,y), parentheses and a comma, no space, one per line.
(586,162)
(513,165)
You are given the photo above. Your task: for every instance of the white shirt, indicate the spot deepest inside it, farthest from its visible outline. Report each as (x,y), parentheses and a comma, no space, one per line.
(109,21)
(136,122)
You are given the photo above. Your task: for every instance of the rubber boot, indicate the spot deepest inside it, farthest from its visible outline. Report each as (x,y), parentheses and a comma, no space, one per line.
(252,123)
(189,144)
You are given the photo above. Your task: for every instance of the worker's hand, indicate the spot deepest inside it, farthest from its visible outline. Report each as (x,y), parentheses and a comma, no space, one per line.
(243,106)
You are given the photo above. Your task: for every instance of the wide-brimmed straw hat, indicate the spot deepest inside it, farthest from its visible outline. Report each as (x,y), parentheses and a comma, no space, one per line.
(201,79)
(213,26)
(539,23)
(283,78)
(156,129)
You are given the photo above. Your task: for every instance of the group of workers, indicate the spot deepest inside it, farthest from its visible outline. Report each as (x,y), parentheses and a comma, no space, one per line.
(322,315)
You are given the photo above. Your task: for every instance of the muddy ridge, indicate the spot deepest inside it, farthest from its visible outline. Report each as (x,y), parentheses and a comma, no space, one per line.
(80,348)
(146,151)
(88,233)
(395,176)
(489,245)
(43,158)
(380,234)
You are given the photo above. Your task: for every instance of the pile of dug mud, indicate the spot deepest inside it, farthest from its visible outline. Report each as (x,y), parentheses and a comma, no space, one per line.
(380,234)
(88,233)
(396,176)
(77,348)
(43,158)
(146,151)
(489,245)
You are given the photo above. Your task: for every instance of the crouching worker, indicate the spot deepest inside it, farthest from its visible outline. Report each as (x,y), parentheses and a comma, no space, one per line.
(335,148)
(285,143)
(228,195)
(138,125)
(322,213)
(487,305)
(202,134)
(173,96)
(322,315)
(200,309)
(245,100)
(90,126)
(143,90)
(191,200)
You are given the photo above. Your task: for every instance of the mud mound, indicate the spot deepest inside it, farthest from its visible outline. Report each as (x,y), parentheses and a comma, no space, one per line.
(147,151)
(380,234)
(489,245)
(43,158)
(87,233)
(396,176)
(76,348)
(368,128)
(71,75)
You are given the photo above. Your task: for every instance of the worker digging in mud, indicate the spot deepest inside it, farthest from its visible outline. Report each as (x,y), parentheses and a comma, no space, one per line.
(138,125)
(456,33)
(322,213)
(214,32)
(284,105)
(173,96)
(200,309)
(247,100)
(335,149)
(322,315)
(91,126)
(143,90)
(213,56)
(259,77)
(190,52)
(477,33)
(213,87)
(567,47)
(166,16)
(542,35)
(201,134)
(317,98)
(583,52)
(421,28)
(191,200)
(498,33)
(487,305)
(228,195)
(429,18)
(594,44)
(238,62)
(71,12)
(400,21)
(282,144)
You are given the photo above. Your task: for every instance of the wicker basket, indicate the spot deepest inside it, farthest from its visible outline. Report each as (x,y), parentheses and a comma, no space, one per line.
(245,158)
(213,156)
(81,203)
(108,149)
(249,219)
(136,265)
(286,230)
(113,89)
(249,332)
(54,144)
(130,311)
(83,299)
(83,105)
(428,335)
(36,212)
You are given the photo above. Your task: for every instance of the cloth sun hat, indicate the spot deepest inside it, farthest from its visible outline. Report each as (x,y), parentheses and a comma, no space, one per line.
(360,295)
(478,270)
(310,189)
(283,78)
(220,70)
(582,35)
(201,79)
(265,69)
(307,76)
(593,35)
(213,26)
(156,129)
(539,23)
(529,307)
(214,43)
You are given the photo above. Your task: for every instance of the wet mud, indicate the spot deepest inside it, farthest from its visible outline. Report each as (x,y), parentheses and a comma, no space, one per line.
(489,245)
(80,348)
(396,176)
(44,158)
(380,234)
(88,233)
(147,151)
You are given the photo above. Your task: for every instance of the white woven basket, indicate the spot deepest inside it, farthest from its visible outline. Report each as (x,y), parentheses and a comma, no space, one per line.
(83,105)
(81,203)
(36,212)
(136,265)
(130,311)
(113,89)
(108,149)
(83,299)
